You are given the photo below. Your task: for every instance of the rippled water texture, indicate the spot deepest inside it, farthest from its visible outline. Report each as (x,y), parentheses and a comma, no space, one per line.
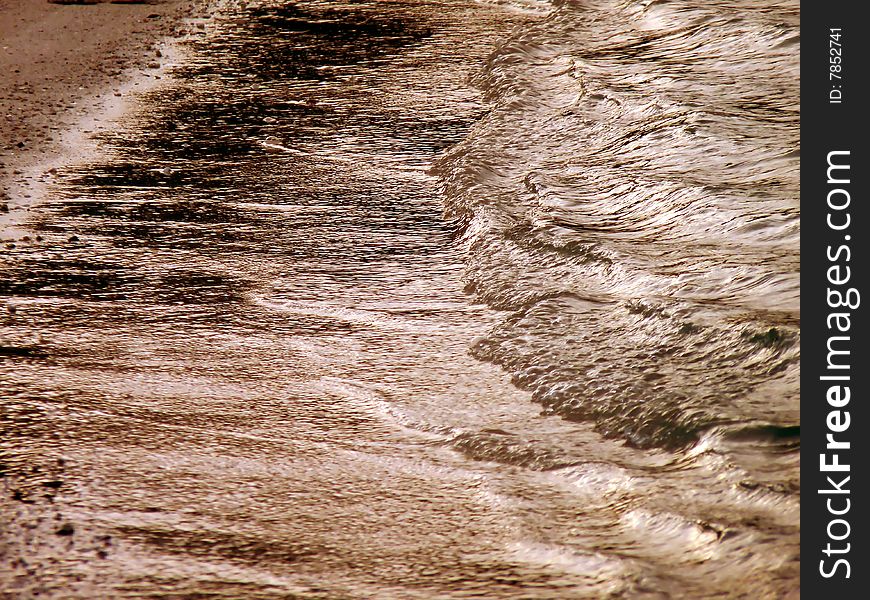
(421,300)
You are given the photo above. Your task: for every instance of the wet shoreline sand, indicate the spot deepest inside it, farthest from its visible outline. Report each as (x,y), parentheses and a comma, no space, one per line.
(242,421)
(252,359)
(61,63)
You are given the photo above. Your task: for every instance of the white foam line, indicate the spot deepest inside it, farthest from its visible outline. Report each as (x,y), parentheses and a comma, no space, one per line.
(348,315)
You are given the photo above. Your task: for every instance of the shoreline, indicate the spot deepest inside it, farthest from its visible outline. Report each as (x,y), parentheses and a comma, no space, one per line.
(71,69)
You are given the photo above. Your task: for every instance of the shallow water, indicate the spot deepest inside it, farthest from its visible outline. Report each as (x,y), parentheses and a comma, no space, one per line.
(421,300)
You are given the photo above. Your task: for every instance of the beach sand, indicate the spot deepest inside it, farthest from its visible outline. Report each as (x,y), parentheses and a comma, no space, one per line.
(62,66)
(243,353)
(61,61)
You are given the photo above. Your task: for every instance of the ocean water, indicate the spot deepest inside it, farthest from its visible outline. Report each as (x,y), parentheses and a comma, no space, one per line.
(421,300)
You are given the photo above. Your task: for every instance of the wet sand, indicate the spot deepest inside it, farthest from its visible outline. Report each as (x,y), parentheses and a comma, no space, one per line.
(60,65)
(244,360)
(60,62)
